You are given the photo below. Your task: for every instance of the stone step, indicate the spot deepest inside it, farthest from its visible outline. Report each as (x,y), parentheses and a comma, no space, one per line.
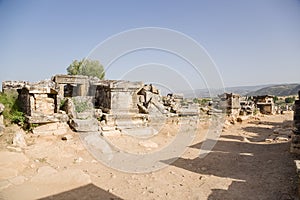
(85,125)
(125,116)
(130,123)
(140,132)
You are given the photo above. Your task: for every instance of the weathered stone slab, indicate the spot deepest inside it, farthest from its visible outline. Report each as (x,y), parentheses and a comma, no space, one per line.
(52,129)
(19,140)
(148,144)
(188,112)
(111,132)
(87,125)
(11,164)
(141,132)
(48,181)
(43,119)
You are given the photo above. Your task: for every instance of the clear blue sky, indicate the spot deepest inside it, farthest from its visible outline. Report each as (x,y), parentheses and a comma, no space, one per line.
(252,42)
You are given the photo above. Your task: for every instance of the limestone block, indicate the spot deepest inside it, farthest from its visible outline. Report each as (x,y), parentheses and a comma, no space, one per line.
(87,125)
(52,129)
(19,140)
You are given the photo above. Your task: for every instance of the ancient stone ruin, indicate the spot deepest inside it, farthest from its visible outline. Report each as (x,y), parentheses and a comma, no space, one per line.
(91,104)
(265,104)
(231,103)
(39,102)
(13,85)
(114,106)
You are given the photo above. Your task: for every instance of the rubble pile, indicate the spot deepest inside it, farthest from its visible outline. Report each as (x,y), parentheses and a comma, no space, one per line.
(173,102)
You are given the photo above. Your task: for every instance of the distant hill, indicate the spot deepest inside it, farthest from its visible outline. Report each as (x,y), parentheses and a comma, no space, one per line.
(242,90)
(271,89)
(277,90)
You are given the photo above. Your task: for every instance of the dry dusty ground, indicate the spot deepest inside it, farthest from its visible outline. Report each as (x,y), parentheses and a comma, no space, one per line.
(241,166)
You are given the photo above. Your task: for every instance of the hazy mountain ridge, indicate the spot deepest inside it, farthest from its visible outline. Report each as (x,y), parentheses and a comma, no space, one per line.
(278,90)
(242,90)
(270,89)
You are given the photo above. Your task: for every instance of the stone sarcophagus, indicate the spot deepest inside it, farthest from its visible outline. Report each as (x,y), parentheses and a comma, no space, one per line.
(38,101)
(117,96)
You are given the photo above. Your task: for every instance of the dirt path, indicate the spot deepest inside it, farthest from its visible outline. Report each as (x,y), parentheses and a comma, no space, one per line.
(241,166)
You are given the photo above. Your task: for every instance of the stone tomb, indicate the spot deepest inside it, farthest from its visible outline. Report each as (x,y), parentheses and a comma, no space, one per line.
(71,85)
(117,97)
(265,104)
(37,100)
(231,103)
(39,103)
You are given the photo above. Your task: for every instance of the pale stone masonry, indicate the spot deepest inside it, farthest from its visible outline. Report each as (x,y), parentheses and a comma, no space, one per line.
(38,99)
(13,85)
(231,103)
(39,103)
(91,104)
(117,96)
(71,85)
(265,104)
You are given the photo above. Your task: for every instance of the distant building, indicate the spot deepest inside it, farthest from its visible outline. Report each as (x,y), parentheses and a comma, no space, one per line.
(231,103)
(265,104)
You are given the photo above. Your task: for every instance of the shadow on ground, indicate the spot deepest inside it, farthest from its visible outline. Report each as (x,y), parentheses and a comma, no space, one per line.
(87,192)
(260,170)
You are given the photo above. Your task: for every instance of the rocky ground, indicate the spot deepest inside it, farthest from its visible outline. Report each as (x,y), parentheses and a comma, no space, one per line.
(251,160)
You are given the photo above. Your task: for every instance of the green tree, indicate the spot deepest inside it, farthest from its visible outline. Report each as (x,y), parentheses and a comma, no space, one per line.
(196,100)
(289,100)
(73,68)
(275,98)
(86,67)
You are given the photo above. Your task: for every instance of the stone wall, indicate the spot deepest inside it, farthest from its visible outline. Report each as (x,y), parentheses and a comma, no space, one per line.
(117,96)
(13,85)
(266,108)
(103,98)
(124,96)
(71,85)
(38,99)
(231,102)
(24,99)
(265,104)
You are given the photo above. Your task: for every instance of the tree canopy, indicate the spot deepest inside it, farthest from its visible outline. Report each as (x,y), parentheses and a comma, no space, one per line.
(289,99)
(86,67)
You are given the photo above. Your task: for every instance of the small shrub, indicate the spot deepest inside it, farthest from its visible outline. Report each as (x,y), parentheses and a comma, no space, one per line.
(62,104)
(80,106)
(255,111)
(17,117)
(42,160)
(289,100)
(30,127)
(12,112)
